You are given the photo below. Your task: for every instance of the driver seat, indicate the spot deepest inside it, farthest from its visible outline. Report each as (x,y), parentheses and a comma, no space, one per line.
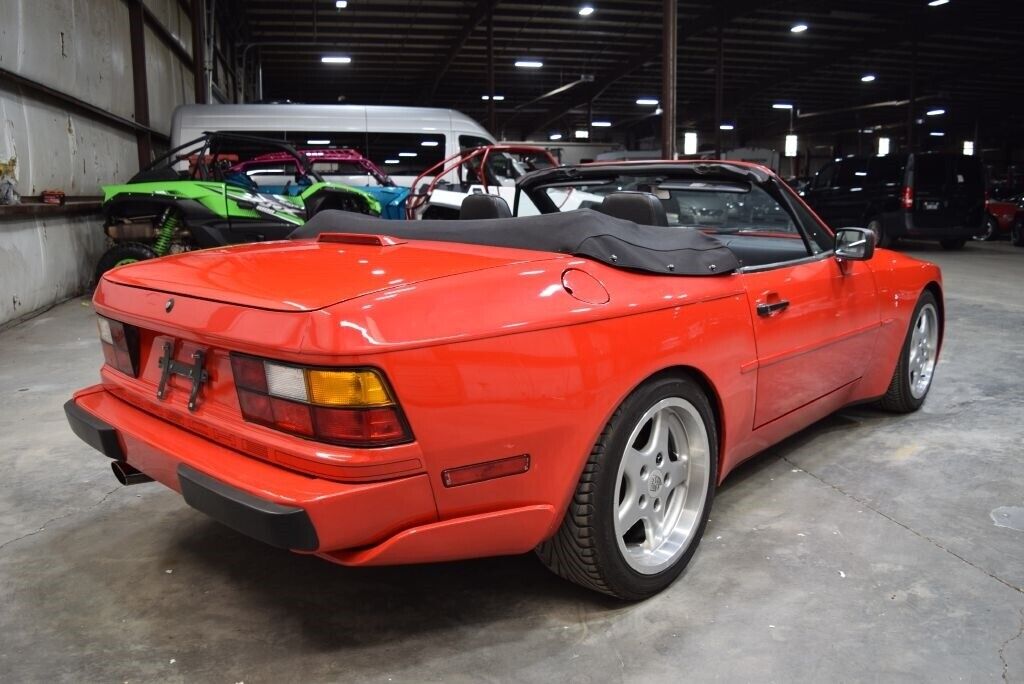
(638,207)
(484,206)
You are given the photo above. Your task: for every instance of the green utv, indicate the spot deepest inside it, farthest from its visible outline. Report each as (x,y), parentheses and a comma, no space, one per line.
(198,195)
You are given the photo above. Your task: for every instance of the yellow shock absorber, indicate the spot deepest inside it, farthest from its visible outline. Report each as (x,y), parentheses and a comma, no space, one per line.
(165,231)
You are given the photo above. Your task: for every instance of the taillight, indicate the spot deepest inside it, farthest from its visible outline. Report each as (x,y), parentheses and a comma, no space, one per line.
(348,406)
(908,197)
(120,345)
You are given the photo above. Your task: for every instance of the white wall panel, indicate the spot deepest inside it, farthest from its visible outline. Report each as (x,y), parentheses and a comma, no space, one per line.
(169,81)
(174,19)
(80,47)
(46,260)
(56,149)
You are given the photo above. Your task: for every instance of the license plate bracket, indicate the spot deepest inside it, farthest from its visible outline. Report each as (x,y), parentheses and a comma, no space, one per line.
(194,372)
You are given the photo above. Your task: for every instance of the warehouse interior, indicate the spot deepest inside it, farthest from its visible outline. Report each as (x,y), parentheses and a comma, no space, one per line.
(866,546)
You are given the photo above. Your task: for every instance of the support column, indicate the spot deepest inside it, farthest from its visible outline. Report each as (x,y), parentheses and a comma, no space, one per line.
(137,33)
(669,55)
(491,121)
(719,87)
(198,72)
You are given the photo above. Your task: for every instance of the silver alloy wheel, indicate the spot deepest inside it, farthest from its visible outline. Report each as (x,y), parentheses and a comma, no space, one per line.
(662,485)
(924,343)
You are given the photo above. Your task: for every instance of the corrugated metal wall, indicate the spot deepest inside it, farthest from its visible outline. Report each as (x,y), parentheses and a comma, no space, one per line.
(81,48)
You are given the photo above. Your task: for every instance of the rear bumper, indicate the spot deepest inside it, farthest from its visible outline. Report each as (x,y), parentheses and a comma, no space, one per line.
(278,506)
(908,228)
(373,523)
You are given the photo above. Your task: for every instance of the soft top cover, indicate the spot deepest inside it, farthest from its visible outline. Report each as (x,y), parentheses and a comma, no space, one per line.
(583,232)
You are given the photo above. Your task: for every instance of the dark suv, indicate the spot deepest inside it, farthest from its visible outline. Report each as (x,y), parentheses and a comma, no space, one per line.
(928,196)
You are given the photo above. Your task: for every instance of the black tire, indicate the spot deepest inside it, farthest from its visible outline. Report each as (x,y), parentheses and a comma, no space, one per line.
(953,245)
(123,253)
(899,398)
(882,238)
(990,232)
(585,550)
(1017,233)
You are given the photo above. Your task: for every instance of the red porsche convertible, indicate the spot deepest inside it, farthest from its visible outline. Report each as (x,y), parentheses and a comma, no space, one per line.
(577,382)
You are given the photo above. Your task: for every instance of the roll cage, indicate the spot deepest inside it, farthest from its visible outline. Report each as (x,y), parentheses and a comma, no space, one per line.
(473,161)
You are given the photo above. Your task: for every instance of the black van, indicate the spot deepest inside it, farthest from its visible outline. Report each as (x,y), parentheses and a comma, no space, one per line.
(929,196)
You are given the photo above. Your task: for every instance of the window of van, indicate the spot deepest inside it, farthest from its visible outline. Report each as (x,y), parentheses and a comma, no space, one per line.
(405,154)
(852,173)
(885,171)
(467,142)
(823,179)
(930,172)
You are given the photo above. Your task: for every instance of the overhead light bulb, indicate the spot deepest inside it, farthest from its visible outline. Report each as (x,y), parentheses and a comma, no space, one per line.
(555,136)
(726,127)
(937,3)
(782,105)
(601,124)
(335,59)
(935,112)
(867,78)
(647,102)
(529,64)
(341,4)
(586,11)
(798,28)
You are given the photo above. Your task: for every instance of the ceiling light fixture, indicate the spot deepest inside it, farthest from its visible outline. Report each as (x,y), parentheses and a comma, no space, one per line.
(798,28)
(406,154)
(335,59)
(392,161)
(429,143)
(601,124)
(647,102)
(555,136)
(782,105)
(726,127)
(582,134)
(341,4)
(529,64)
(496,98)
(937,134)
(935,112)
(586,11)
(938,3)
(318,142)
(690,142)
(867,78)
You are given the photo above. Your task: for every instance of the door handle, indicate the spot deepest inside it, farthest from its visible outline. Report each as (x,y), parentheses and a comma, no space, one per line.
(774,307)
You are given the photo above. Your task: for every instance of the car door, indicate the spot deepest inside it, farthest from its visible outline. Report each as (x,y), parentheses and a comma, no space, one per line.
(815,322)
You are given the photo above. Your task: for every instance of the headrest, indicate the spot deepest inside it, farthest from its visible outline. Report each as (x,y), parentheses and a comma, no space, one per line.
(638,207)
(484,207)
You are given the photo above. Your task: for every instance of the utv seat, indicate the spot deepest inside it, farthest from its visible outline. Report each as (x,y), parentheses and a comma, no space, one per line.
(638,207)
(484,207)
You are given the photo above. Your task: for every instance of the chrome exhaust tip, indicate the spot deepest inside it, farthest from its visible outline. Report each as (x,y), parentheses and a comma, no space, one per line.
(127,475)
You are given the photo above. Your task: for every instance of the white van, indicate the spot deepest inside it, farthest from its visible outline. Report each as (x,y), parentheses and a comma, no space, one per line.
(402,141)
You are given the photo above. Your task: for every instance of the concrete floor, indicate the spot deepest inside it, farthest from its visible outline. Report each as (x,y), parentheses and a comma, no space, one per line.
(864,548)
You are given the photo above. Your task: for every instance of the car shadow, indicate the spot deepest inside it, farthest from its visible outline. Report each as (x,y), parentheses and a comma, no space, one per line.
(336,606)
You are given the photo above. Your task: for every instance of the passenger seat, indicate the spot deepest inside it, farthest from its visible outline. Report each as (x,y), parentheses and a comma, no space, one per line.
(638,207)
(484,206)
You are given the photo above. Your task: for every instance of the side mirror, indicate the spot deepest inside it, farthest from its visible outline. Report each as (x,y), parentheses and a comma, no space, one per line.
(854,244)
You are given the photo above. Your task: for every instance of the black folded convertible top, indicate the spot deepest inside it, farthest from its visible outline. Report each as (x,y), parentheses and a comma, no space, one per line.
(584,233)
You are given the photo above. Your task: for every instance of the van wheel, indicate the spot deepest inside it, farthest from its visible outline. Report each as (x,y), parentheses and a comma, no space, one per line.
(882,239)
(952,244)
(643,500)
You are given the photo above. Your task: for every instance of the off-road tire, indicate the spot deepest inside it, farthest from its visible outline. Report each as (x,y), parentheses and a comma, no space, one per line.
(122,252)
(585,549)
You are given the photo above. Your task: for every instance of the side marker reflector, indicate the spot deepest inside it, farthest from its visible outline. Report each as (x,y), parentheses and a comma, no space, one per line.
(490,470)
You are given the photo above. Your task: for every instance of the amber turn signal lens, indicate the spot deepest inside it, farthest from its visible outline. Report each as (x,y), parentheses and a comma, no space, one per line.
(347,388)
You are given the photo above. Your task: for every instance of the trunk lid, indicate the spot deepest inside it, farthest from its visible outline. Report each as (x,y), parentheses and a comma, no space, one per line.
(305,275)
